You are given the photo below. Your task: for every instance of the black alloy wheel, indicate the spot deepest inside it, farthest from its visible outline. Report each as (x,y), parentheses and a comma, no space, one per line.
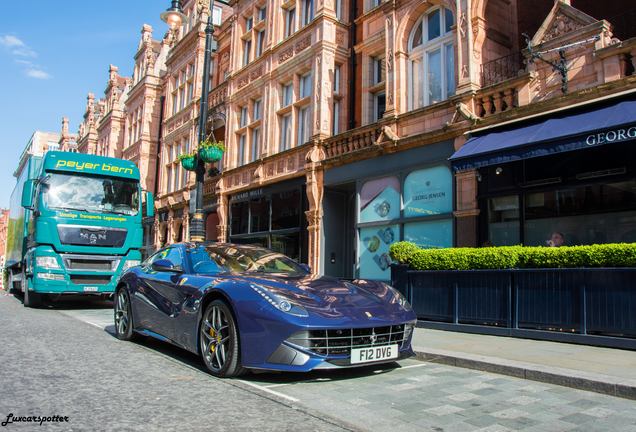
(123,315)
(219,342)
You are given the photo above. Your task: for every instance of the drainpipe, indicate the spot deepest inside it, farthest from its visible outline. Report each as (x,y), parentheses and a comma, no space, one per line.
(352,64)
(156,188)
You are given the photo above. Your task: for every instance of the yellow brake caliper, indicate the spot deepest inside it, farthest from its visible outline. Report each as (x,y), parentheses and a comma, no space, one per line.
(214,336)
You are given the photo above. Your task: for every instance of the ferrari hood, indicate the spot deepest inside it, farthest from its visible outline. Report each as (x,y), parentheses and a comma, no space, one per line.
(325,292)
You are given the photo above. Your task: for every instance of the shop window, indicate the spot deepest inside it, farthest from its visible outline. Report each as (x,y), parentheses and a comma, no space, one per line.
(380,200)
(597,213)
(430,234)
(286,210)
(373,247)
(425,218)
(428,192)
(432,59)
(503,221)
(259,214)
(239,217)
(287,244)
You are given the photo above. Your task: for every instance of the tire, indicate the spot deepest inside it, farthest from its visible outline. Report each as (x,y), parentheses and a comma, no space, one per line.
(219,341)
(9,287)
(123,316)
(31,298)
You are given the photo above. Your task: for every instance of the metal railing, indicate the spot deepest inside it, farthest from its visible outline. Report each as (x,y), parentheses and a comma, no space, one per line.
(501,69)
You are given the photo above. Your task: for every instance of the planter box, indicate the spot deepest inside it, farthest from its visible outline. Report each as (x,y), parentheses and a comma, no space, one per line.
(584,301)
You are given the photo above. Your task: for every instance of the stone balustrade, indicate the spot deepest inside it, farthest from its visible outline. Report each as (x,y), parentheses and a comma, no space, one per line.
(351,141)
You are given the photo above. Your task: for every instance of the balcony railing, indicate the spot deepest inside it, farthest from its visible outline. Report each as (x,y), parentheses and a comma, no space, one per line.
(501,69)
(351,141)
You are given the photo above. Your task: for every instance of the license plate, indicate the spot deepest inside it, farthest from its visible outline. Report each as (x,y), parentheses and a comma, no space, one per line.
(90,289)
(372,354)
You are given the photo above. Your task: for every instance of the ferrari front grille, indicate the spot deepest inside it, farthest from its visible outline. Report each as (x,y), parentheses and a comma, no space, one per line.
(340,341)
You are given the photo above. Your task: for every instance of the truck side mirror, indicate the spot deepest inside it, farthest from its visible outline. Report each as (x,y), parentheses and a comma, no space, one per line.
(27,194)
(150,205)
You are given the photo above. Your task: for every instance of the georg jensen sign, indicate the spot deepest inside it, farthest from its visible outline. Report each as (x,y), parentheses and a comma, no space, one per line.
(614,135)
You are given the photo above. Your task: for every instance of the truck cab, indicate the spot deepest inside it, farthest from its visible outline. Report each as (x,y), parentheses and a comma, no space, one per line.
(82,217)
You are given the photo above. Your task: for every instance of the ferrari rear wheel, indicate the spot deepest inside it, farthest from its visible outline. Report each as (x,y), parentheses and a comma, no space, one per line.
(123,315)
(219,341)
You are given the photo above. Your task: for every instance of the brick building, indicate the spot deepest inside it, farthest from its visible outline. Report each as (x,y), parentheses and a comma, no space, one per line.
(351,124)
(4,221)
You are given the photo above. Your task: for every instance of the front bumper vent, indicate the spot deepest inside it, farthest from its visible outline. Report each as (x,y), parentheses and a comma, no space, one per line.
(90,279)
(340,341)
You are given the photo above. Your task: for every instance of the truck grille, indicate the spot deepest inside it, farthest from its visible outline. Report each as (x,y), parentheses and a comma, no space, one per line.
(79,262)
(340,341)
(90,279)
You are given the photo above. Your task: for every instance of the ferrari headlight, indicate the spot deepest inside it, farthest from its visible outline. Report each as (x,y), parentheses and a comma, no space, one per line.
(280,302)
(47,262)
(129,264)
(399,298)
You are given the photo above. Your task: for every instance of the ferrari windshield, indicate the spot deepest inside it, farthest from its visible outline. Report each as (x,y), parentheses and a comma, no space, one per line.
(242,259)
(92,194)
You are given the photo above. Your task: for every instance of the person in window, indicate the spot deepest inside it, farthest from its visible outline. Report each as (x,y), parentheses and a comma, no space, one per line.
(556,239)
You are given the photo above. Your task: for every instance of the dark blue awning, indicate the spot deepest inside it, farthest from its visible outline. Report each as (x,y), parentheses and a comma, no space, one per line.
(566,131)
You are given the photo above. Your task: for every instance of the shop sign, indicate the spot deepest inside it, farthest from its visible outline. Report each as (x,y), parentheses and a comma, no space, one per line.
(428,192)
(247,195)
(613,135)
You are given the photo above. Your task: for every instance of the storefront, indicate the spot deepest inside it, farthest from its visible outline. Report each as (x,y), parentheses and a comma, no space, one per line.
(371,204)
(572,176)
(273,217)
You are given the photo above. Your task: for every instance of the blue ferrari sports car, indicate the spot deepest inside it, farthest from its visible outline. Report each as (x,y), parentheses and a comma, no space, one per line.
(244,307)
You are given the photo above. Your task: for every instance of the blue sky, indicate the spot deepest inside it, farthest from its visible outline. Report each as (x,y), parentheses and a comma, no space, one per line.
(52,53)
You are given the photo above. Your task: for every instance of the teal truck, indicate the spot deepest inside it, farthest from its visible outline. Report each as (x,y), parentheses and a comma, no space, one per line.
(75,224)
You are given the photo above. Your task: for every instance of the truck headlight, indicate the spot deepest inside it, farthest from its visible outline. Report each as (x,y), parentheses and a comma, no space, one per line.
(130,264)
(47,262)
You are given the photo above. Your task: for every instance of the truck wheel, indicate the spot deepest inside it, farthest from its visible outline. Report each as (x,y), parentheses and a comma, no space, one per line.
(9,288)
(31,298)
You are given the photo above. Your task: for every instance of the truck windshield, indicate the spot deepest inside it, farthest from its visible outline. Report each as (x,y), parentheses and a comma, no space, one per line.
(92,194)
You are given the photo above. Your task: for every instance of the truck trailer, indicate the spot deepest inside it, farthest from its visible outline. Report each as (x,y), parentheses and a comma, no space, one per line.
(75,224)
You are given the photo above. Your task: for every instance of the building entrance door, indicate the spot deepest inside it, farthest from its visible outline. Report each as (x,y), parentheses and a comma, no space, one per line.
(339,231)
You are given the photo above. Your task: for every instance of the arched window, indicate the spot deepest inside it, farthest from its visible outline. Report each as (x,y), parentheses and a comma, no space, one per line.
(432,58)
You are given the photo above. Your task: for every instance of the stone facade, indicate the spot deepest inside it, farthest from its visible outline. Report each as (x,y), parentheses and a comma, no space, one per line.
(302,88)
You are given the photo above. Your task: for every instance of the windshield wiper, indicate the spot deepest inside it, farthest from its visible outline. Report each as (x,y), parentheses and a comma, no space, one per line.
(75,209)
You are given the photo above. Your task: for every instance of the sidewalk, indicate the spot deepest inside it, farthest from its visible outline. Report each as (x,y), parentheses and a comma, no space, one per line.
(602,370)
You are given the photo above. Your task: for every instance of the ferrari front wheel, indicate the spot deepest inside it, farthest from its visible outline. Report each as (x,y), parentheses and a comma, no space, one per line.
(219,341)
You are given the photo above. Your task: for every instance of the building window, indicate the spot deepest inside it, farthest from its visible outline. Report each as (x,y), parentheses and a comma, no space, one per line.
(379,105)
(285,132)
(377,66)
(288,94)
(241,151)
(249,23)
(307,11)
(335,121)
(432,59)
(303,125)
(260,43)
(256,144)
(216,15)
(290,21)
(262,13)
(336,79)
(243,117)
(247,47)
(256,110)
(305,86)
(338,9)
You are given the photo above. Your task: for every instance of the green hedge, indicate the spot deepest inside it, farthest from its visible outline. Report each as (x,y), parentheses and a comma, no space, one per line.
(506,257)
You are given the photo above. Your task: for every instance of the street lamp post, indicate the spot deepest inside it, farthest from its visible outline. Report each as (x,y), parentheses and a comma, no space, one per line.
(174,17)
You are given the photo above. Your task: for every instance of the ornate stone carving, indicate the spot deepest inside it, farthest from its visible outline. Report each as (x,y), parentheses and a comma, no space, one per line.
(389,60)
(256,73)
(302,44)
(340,38)
(286,54)
(561,25)
(243,81)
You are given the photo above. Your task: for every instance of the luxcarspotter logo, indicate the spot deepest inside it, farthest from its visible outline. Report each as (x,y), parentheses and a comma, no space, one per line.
(34,419)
